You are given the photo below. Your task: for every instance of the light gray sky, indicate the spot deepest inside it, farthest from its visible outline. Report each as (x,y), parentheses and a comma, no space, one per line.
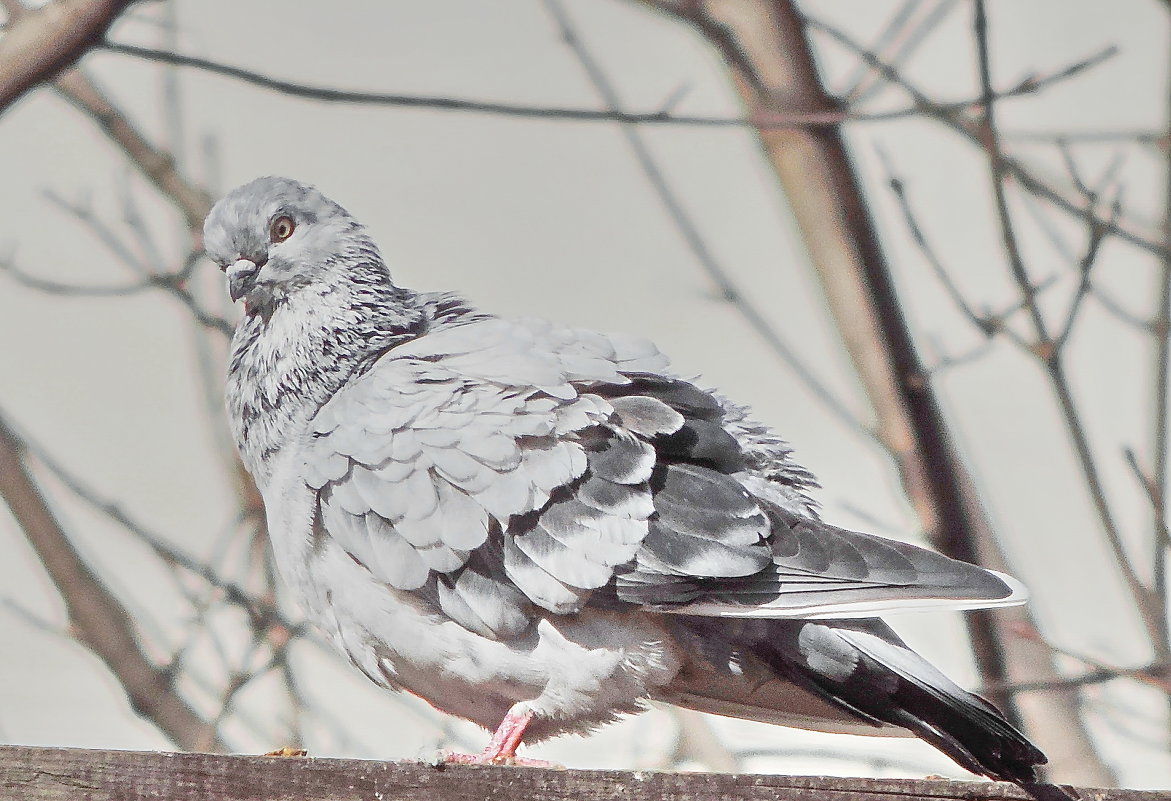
(554,219)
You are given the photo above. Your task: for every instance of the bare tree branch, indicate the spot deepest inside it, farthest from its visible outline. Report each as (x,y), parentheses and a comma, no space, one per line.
(99,619)
(1156,139)
(27,279)
(692,236)
(768,119)
(906,31)
(988,323)
(1046,345)
(818,178)
(263,613)
(39,44)
(156,165)
(961,123)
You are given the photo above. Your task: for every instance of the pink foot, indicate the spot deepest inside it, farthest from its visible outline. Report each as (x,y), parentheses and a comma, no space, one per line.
(501,749)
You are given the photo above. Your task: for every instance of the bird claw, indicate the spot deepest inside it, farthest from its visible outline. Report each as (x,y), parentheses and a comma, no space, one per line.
(501,749)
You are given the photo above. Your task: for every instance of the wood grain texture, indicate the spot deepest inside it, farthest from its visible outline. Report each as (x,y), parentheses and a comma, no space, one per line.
(55,774)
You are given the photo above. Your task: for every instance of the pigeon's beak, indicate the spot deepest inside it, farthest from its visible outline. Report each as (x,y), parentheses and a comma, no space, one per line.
(241,277)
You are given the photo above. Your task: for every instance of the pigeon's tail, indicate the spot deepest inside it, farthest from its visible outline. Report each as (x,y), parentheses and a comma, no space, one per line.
(863,667)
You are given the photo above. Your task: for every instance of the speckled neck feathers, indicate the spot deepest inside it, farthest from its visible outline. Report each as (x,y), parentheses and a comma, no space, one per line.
(286,361)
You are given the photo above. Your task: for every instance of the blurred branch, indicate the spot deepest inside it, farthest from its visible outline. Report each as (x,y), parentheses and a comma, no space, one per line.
(156,165)
(104,234)
(172,283)
(965,125)
(263,614)
(1085,285)
(906,31)
(988,323)
(759,119)
(691,234)
(27,279)
(1145,674)
(1156,139)
(823,190)
(1032,204)
(1098,675)
(1150,489)
(1046,346)
(99,620)
(38,44)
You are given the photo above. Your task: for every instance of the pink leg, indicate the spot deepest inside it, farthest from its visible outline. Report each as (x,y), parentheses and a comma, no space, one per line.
(501,749)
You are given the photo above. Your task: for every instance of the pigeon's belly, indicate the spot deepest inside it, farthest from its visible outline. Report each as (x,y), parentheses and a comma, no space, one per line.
(574,671)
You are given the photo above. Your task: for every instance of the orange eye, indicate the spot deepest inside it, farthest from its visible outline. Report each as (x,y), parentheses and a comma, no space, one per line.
(282,229)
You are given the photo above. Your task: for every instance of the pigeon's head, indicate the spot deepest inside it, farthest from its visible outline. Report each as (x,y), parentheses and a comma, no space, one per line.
(275,236)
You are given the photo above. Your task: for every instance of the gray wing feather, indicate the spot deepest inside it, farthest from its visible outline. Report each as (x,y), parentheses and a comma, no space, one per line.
(616,500)
(621,458)
(562,560)
(607,540)
(646,416)
(541,587)
(480,598)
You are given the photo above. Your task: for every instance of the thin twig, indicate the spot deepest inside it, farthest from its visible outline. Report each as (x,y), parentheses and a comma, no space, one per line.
(903,44)
(1045,347)
(962,123)
(50,287)
(262,614)
(1100,675)
(156,165)
(1144,675)
(1150,489)
(691,234)
(1107,301)
(990,325)
(763,119)
(1156,139)
(1085,267)
(102,232)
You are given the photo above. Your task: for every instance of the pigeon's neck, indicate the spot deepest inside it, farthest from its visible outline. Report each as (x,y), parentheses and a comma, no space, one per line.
(285,365)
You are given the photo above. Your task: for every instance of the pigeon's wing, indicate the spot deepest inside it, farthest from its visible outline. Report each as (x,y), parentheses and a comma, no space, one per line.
(732,534)
(471,465)
(498,466)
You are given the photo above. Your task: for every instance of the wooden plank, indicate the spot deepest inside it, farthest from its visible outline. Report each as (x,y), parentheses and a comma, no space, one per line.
(55,774)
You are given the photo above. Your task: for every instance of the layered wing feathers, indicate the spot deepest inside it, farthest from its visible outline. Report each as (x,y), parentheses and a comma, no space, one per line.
(499,466)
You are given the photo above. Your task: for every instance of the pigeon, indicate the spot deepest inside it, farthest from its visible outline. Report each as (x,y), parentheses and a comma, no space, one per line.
(541,529)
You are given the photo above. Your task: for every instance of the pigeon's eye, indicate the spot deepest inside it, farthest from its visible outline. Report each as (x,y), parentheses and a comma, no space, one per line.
(281,229)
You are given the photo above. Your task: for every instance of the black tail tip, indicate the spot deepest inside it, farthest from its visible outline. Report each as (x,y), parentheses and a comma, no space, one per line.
(1049,792)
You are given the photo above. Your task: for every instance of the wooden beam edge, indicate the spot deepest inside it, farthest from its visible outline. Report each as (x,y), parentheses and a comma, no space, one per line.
(51,774)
